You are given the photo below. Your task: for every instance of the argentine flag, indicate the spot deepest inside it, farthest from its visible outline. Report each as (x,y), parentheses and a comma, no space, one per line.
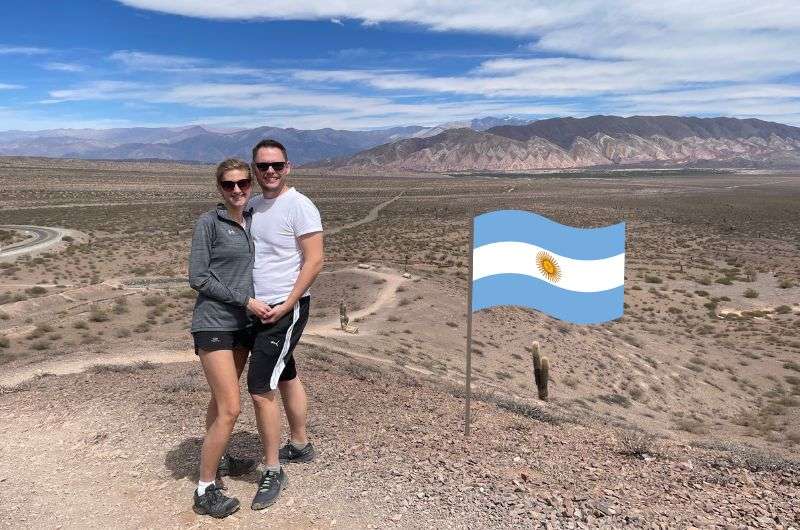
(523,259)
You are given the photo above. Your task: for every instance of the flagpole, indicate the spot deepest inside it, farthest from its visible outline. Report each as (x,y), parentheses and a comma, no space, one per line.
(469,325)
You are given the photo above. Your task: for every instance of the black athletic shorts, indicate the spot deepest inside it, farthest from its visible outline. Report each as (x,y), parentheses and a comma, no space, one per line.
(223,340)
(271,359)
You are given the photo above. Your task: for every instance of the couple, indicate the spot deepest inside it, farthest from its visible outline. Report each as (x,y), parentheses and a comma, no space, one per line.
(252,263)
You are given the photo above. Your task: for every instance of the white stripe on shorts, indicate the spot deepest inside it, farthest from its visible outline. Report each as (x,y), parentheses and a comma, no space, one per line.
(287,341)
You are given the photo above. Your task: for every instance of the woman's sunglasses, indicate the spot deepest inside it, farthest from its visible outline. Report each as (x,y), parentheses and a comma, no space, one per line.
(277,166)
(229,185)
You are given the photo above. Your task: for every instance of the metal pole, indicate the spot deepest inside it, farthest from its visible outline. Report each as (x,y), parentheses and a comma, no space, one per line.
(469,325)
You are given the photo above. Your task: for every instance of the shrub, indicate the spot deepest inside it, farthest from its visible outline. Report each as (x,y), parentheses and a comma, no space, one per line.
(781,309)
(36,290)
(724,280)
(4,342)
(40,345)
(80,324)
(652,278)
(98,315)
(121,306)
(637,443)
(751,293)
(4,316)
(153,300)
(785,283)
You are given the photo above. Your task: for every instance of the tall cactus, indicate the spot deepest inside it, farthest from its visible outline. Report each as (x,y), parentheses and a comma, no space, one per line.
(541,371)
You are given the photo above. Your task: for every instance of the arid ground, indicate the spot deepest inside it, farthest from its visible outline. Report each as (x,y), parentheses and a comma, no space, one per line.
(685,412)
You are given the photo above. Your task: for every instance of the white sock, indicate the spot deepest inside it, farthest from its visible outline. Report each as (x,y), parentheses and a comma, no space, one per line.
(201,487)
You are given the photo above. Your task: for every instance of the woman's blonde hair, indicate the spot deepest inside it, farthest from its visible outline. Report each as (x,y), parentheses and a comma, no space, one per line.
(229,165)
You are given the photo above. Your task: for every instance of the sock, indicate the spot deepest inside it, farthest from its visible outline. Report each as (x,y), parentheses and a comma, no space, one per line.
(201,487)
(297,445)
(276,468)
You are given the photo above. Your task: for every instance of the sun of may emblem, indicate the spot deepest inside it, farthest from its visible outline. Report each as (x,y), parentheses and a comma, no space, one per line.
(548,266)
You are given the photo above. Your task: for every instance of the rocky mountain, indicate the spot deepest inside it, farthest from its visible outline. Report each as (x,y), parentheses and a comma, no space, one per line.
(476,124)
(192,143)
(197,143)
(563,143)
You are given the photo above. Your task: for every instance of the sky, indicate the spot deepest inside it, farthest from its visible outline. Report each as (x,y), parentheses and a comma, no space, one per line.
(361,64)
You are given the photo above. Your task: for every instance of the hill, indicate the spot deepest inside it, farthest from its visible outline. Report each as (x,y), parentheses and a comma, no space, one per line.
(597,141)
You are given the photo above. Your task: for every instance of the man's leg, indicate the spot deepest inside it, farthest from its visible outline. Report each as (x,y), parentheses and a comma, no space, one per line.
(295,404)
(268,419)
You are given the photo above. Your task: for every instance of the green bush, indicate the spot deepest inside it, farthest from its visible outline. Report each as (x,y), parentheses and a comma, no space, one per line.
(751,293)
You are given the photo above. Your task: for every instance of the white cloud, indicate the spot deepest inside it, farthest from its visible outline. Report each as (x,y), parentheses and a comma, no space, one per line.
(64,67)
(7,86)
(22,50)
(143,61)
(581,49)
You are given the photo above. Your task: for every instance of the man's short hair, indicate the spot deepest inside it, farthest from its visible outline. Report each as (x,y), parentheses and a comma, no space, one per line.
(269,142)
(229,165)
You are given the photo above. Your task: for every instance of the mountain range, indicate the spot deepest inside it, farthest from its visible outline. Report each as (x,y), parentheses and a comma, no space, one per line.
(482,144)
(196,143)
(596,141)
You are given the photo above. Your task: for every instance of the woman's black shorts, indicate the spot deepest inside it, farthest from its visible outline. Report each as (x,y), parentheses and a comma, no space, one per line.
(223,340)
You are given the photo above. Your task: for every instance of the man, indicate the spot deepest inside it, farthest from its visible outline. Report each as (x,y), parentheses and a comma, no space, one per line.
(287,232)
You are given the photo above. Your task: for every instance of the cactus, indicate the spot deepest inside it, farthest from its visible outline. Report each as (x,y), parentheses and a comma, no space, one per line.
(541,371)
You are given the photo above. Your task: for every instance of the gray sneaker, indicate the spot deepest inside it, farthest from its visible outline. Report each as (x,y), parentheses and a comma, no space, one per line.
(288,453)
(269,488)
(214,503)
(230,466)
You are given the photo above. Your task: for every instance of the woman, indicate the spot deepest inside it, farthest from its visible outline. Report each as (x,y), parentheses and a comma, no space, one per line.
(221,270)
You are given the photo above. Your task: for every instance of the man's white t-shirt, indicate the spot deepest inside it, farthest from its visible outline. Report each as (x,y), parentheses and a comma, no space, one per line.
(275,227)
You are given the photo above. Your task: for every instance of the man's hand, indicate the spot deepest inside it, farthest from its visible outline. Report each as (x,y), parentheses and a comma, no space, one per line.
(275,313)
(258,308)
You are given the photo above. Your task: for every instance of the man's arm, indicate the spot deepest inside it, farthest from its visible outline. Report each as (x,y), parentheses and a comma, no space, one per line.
(313,258)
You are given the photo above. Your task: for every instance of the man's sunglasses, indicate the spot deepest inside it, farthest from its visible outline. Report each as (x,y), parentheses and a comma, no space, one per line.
(228,185)
(277,166)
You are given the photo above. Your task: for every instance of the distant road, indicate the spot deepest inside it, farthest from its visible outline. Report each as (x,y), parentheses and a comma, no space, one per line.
(43,237)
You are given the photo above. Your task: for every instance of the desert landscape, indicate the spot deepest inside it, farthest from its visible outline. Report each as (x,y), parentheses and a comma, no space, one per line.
(683,413)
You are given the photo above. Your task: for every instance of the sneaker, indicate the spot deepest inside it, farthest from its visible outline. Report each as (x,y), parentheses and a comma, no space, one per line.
(269,488)
(214,503)
(288,453)
(233,467)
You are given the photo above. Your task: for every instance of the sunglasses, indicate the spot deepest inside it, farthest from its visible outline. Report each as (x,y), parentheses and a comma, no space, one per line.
(229,185)
(277,166)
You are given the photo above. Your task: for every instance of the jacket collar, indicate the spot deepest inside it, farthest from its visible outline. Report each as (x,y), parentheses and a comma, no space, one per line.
(222,211)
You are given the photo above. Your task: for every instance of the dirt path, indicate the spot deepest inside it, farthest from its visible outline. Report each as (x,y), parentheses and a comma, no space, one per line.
(371,216)
(314,335)
(388,294)
(81,363)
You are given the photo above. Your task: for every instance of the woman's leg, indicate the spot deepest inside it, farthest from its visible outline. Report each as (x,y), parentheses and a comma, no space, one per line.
(240,359)
(221,372)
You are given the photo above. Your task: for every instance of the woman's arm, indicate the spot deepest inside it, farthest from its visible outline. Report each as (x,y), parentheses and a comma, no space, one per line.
(201,279)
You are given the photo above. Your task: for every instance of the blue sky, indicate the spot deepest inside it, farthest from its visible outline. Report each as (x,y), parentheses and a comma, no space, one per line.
(360,64)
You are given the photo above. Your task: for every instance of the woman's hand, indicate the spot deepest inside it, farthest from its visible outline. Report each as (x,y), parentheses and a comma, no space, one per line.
(258,308)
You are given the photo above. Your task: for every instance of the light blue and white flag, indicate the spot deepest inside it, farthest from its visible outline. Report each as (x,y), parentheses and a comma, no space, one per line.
(523,259)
